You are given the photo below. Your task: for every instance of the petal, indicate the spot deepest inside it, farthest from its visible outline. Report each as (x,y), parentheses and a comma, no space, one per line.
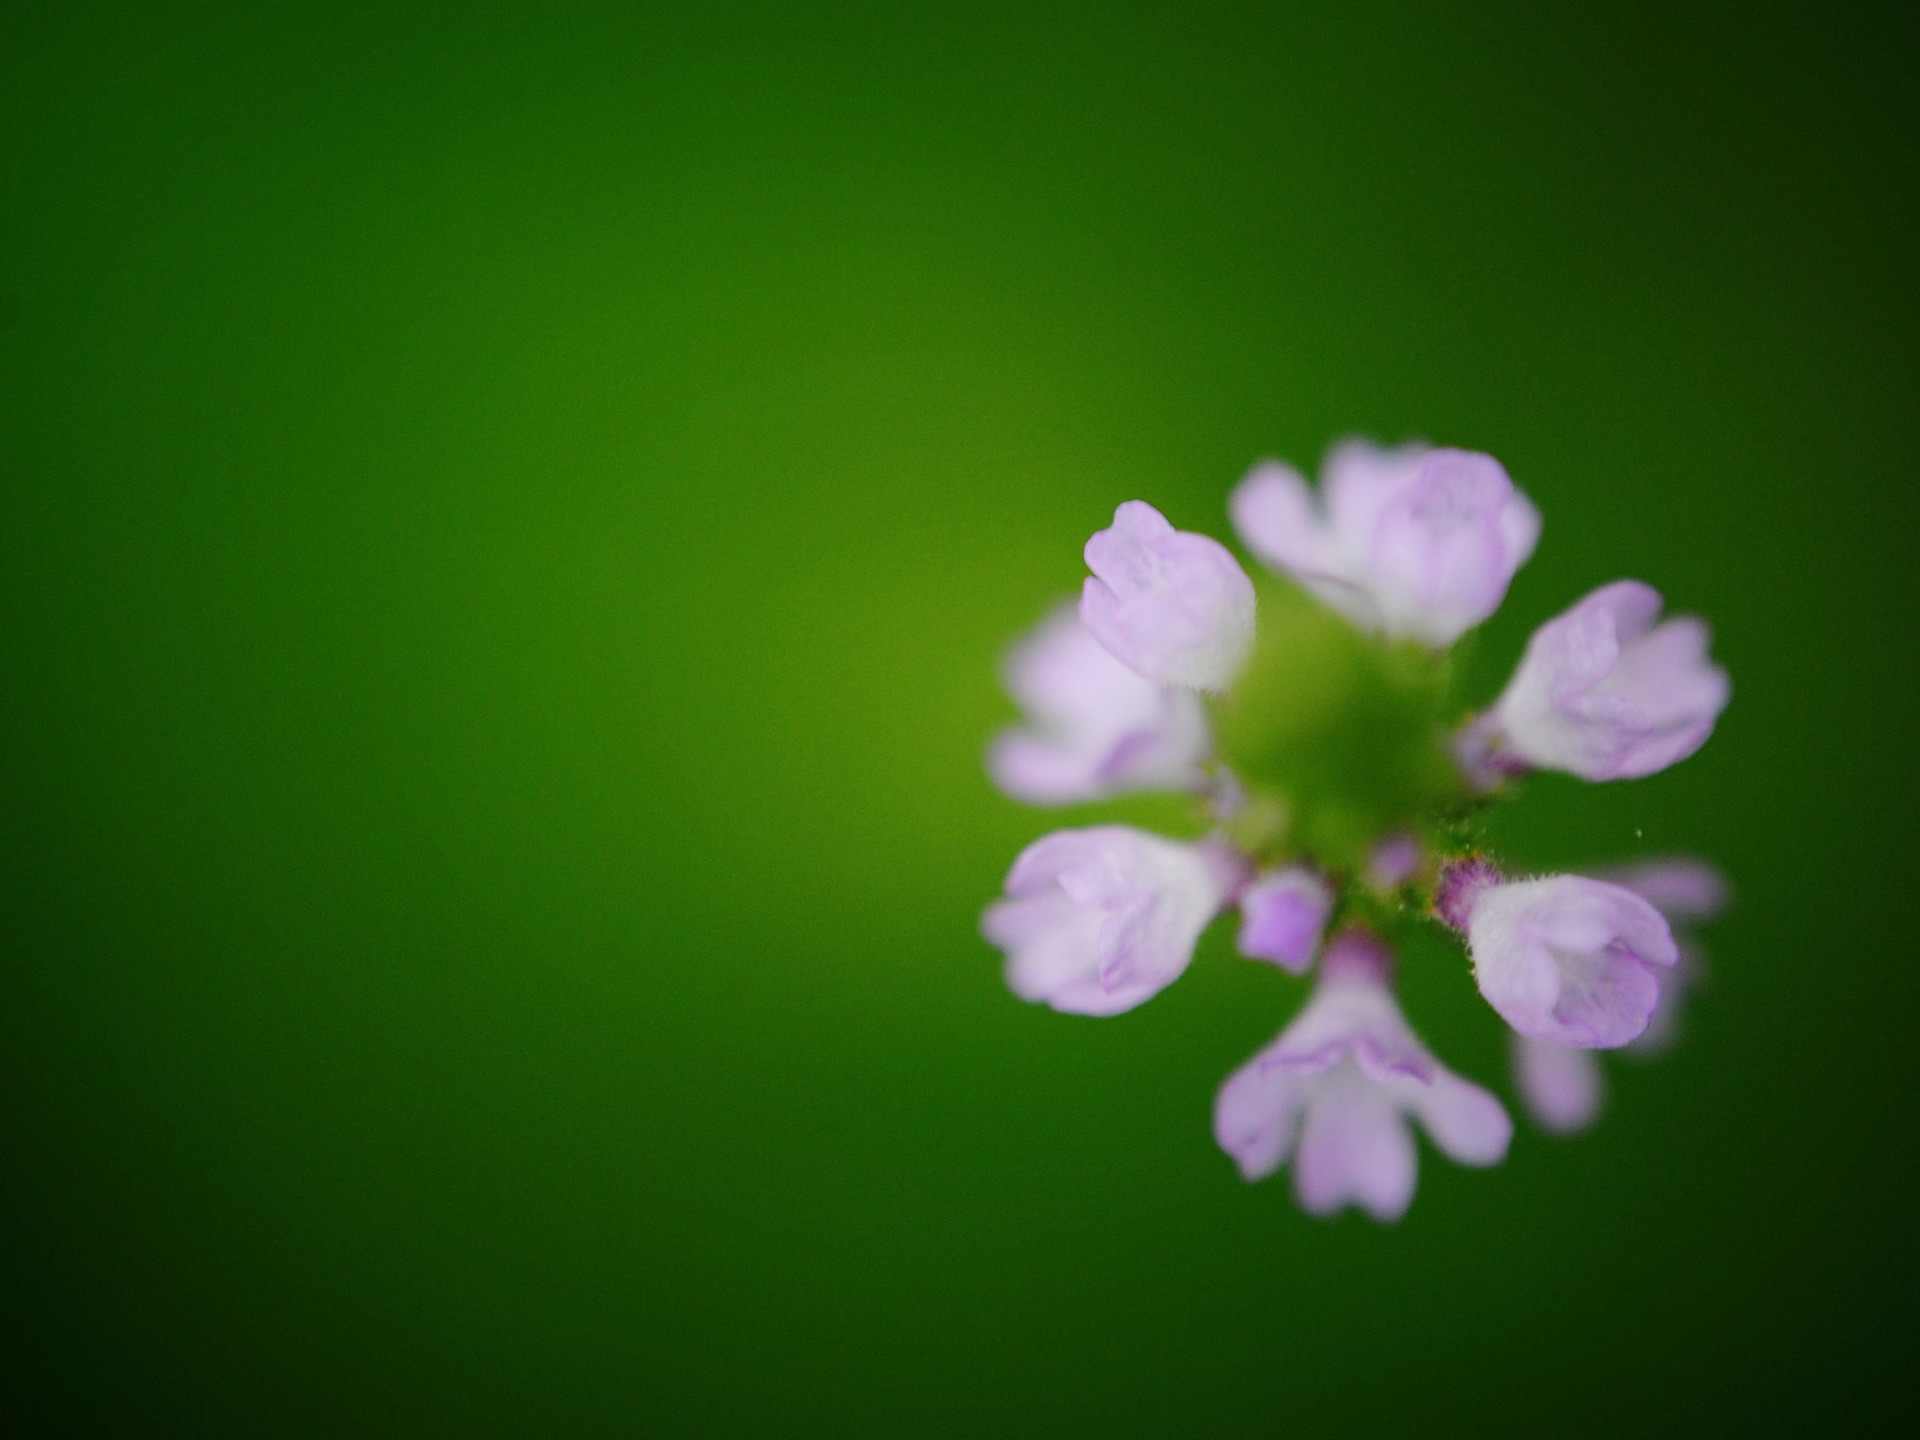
(1667,671)
(1052,945)
(1175,606)
(1032,919)
(1676,986)
(1561,1086)
(1091,996)
(1630,606)
(1654,753)
(1520,528)
(1466,1122)
(1577,649)
(1040,865)
(1058,669)
(1094,726)
(1257,1114)
(1282,915)
(1355,1148)
(1053,956)
(1275,517)
(1358,480)
(1604,1001)
(1353,1014)
(1680,887)
(1439,558)
(1028,767)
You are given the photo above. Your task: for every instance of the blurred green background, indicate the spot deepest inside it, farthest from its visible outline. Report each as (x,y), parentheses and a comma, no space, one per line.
(510,515)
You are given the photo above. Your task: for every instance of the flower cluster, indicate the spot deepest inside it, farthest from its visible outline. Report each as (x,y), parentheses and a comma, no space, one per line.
(1333,782)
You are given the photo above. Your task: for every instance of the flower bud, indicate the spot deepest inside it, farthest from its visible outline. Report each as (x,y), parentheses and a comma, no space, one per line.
(1410,543)
(1174,605)
(1097,921)
(1604,693)
(1566,959)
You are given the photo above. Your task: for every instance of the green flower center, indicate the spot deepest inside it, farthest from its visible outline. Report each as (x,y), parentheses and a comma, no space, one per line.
(1339,737)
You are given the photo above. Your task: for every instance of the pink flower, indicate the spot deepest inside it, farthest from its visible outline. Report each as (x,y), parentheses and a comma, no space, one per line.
(1411,543)
(1565,959)
(1562,1087)
(1095,728)
(1322,762)
(1098,920)
(1281,916)
(1603,693)
(1334,1091)
(1175,606)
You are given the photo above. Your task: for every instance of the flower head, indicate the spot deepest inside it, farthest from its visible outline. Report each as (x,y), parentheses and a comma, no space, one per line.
(1098,920)
(1095,727)
(1334,1091)
(1604,693)
(1175,606)
(1565,958)
(1340,787)
(1411,543)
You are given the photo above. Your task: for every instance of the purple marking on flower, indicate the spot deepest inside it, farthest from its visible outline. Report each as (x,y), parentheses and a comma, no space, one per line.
(1334,1091)
(1174,605)
(1604,693)
(1565,958)
(1281,916)
(1098,920)
(1394,861)
(1412,543)
(1561,1086)
(1095,728)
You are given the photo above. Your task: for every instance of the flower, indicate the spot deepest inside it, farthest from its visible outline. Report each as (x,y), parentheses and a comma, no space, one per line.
(1411,543)
(1099,920)
(1562,1087)
(1095,727)
(1334,1090)
(1329,760)
(1175,606)
(1281,916)
(1564,958)
(1603,693)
